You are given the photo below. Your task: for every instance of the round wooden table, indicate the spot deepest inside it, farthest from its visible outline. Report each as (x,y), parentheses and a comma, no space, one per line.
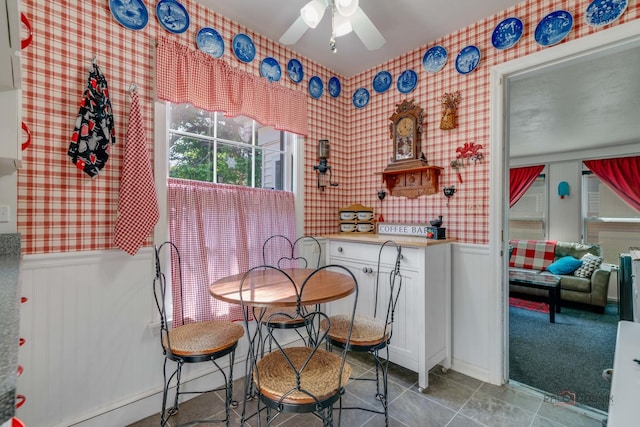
(270,288)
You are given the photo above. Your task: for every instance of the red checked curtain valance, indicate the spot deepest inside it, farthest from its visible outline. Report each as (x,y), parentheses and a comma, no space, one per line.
(184,75)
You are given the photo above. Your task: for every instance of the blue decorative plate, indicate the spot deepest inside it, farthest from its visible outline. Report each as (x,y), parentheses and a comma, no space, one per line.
(434,59)
(407,81)
(382,81)
(172,16)
(603,12)
(243,48)
(295,70)
(361,97)
(468,59)
(334,87)
(316,87)
(553,28)
(270,69)
(210,41)
(507,33)
(131,14)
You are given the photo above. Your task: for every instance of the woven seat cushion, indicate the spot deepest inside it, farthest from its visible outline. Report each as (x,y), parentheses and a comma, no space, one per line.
(367,330)
(321,377)
(272,314)
(203,337)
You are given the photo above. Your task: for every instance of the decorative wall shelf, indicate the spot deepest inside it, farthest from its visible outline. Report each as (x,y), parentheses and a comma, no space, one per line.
(412,181)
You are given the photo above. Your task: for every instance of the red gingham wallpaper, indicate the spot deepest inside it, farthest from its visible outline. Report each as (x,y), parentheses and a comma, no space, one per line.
(60,209)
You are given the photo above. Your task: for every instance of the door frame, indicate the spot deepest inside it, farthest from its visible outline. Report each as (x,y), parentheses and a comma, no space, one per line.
(619,37)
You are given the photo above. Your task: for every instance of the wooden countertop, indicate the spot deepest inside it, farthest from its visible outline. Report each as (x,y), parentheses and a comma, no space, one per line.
(415,241)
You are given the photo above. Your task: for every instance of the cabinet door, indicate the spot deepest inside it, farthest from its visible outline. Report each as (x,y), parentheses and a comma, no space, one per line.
(10,151)
(404,346)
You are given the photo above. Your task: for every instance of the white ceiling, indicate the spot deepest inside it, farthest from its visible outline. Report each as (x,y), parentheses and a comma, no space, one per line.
(590,102)
(405,24)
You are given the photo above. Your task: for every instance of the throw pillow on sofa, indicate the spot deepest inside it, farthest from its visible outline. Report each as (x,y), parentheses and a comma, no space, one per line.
(590,263)
(565,265)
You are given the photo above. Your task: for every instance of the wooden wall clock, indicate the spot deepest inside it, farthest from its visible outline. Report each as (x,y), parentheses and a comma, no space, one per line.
(405,131)
(408,174)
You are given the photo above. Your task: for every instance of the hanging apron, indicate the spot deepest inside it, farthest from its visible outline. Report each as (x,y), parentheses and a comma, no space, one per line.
(94,130)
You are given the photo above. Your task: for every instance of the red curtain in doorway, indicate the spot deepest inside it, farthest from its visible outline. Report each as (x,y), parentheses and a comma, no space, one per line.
(622,175)
(520,179)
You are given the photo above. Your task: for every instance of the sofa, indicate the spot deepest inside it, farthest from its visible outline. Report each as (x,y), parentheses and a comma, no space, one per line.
(588,284)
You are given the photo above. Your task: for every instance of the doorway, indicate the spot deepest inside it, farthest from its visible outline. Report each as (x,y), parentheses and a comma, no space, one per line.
(624,38)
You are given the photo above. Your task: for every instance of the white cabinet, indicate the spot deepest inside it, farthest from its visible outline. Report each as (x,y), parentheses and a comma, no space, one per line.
(10,45)
(10,84)
(422,326)
(11,131)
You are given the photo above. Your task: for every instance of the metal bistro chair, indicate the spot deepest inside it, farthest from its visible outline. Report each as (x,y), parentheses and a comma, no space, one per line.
(371,334)
(300,379)
(191,342)
(279,251)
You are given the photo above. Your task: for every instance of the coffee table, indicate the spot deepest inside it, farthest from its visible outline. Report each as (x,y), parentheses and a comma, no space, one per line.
(548,282)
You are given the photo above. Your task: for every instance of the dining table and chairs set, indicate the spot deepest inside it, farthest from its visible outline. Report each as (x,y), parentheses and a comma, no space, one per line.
(286,372)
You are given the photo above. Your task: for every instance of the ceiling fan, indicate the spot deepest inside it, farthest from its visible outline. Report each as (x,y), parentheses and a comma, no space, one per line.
(346,16)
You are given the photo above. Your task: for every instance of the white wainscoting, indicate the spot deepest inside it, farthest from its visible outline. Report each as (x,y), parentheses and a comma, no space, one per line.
(91,357)
(471,307)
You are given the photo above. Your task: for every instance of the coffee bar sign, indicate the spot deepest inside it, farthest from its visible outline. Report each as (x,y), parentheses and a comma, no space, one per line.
(403,229)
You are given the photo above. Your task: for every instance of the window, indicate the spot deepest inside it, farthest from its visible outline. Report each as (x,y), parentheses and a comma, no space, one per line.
(527,218)
(608,220)
(207,146)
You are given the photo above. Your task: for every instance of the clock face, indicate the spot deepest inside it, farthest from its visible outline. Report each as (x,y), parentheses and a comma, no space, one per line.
(405,127)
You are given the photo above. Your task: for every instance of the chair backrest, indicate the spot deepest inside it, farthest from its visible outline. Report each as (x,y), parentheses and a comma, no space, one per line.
(279,251)
(395,285)
(168,252)
(298,360)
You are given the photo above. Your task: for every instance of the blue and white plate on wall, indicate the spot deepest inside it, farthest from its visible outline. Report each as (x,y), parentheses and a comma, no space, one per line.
(243,48)
(131,14)
(553,28)
(604,12)
(295,70)
(172,16)
(434,59)
(382,81)
(407,81)
(334,87)
(507,33)
(270,69)
(360,97)
(316,87)
(468,59)
(210,41)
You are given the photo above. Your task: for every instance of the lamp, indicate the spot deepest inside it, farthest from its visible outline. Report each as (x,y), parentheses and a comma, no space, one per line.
(347,7)
(323,167)
(313,12)
(449,192)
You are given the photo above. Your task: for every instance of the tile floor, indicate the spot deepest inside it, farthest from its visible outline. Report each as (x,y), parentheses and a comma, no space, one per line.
(452,400)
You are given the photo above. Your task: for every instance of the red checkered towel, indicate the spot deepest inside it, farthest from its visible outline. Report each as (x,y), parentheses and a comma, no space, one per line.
(138,200)
(532,254)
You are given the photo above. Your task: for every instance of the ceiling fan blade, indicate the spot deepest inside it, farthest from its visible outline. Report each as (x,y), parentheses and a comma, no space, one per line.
(366,31)
(295,31)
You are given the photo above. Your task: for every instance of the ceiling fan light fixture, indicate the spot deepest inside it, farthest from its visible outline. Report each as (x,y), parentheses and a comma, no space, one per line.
(313,12)
(341,25)
(347,7)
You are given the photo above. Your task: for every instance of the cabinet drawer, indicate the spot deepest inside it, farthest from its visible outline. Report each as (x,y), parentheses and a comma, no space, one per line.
(368,253)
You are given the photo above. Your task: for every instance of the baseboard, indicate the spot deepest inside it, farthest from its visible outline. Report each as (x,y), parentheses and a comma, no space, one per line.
(473,371)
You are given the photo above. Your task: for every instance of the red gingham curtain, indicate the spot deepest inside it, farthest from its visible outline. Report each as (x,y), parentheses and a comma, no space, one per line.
(520,179)
(219,230)
(184,75)
(622,175)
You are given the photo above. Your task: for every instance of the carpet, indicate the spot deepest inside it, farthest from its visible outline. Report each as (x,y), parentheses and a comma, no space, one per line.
(564,359)
(539,306)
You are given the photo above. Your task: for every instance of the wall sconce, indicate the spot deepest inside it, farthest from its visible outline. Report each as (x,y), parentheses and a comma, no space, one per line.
(449,192)
(323,167)
(563,189)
